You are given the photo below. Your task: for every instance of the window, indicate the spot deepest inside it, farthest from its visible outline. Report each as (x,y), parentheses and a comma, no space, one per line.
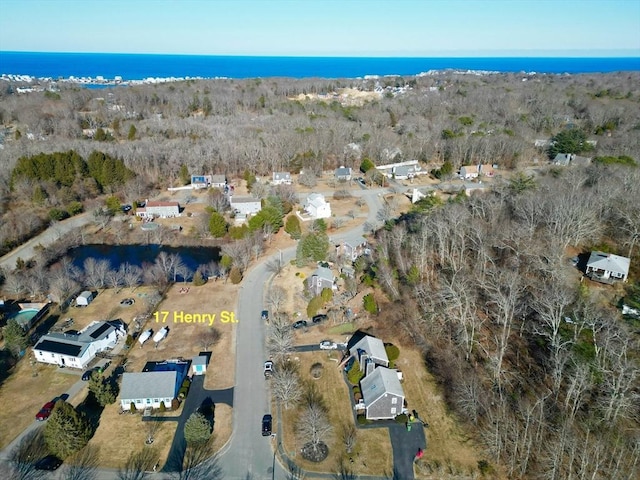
(393,410)
(394,400)
(148,401)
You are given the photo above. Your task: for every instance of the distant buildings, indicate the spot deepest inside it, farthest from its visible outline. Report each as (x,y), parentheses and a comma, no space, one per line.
(317,207)
(159,209)
(281,178)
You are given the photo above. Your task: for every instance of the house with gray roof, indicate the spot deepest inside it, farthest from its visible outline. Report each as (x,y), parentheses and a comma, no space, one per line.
(370,353)
(159,209)
(281,178)
(320,279)
(382,394)
(218,181)
(148,389)
(246,206)
(77,350)
(343,173)
(607,267)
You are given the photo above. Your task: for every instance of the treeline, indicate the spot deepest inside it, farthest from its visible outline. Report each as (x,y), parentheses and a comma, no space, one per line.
(537,360)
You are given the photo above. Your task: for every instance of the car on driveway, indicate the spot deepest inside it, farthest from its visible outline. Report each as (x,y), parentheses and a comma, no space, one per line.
(265,315)
(50,462)
(319,318)
(267,424)
(328,345)
(45,411)
(300,324)
(86,376)
(268,368)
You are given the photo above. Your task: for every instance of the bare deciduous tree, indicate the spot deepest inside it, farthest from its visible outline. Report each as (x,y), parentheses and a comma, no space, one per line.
(285,384)
(276,296)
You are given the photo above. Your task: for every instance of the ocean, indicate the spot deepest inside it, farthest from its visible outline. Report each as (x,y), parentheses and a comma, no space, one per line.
(144,66)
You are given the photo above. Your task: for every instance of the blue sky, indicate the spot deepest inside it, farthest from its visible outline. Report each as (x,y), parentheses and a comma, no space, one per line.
(325,27)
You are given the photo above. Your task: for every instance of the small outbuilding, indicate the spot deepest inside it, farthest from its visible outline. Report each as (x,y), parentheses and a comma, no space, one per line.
(84,299)
(199,365)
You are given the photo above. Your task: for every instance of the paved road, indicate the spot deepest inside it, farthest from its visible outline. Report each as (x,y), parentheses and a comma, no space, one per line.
(27,250)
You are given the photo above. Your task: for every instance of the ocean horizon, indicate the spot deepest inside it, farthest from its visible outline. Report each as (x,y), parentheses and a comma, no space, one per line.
(144,66)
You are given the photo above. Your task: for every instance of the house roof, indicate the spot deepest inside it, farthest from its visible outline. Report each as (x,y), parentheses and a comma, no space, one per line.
(324,273)
(343,171)
(218,179)
(199,360)
(609,262)
(162,204)
(316,200)
(86,294)
(148,385)
(74,345)
(470,168)
(373,346)
(281,175)
(380,382)
(235,200)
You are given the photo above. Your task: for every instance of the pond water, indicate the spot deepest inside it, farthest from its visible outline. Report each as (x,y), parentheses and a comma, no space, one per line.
(143,255)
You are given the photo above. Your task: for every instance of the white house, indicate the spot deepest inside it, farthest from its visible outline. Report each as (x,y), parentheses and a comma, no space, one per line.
(281,178)
(317,207)
(159,209)
(320,279)
(84,299)
(77,350)
(201,181)
(607,267)
(148,389)
(382,394)
(245,205)
(468,172)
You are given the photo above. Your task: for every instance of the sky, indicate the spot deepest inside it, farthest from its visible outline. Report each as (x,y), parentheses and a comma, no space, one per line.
(379,28)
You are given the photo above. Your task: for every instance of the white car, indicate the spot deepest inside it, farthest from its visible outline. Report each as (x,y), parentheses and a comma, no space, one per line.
(268,368)
(328,345)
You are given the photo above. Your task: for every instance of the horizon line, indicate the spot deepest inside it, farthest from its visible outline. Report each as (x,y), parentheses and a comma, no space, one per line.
(575,53)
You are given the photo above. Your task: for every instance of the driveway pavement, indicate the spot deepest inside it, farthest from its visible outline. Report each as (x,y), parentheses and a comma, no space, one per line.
(405,445)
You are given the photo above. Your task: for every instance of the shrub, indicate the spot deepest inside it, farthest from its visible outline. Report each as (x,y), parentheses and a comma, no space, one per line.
(326,295)
(58,214)
(175,404)
(132,407)
(315,304)
(235,275)
(355,375)
(129,341)
(316,370)
(402,418)
(356,389)
(362,420)
(357,397)
(393,352)
(163,408)
(198,279)
(370,304)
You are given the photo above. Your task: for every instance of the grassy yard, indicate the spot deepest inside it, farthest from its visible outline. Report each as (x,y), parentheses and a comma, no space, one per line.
(372,454)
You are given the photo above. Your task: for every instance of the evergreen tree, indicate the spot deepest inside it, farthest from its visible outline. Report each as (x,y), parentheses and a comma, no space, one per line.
(185,176)
(197,429)
(15,337)
(67,431)
(132,132)
(235,275)
(103,390)
(217,225)
(292,227)
(312,247)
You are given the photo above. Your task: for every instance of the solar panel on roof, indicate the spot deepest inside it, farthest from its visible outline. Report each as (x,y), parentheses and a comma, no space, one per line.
(58,347)
(99,331)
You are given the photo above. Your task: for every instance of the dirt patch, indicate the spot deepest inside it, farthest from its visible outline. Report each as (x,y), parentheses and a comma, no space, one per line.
(372,454)
(30,386)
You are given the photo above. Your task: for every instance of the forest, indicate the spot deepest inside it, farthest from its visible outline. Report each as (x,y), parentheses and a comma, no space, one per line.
(535,360)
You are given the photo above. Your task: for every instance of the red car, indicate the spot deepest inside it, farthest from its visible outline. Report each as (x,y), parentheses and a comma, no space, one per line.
(45,411)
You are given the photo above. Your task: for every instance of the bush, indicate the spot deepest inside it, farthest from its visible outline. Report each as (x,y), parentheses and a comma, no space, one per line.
(316,370)
(175,404)
(198,279)
(163,408)
(362,420)
(356,389)
(58,214)
(315,304)
(235,275)
(355,375)
(402,418)
(326,295)
(370,304)
(129,341)
(393,352)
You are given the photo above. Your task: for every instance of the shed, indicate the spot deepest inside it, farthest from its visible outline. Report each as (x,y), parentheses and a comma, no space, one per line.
(199,365)
(84,299)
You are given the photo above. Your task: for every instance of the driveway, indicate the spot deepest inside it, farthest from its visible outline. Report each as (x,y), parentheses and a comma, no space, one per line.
(197,397)
(405,445)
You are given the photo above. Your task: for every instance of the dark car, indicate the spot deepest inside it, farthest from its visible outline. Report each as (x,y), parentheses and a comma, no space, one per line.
(300,324)
(45,411)
(265,315)
(267,422)
(319,318)
(50,462)
(86,376)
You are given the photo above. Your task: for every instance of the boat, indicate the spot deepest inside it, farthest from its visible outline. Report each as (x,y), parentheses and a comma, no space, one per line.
(144,336)
(161,334)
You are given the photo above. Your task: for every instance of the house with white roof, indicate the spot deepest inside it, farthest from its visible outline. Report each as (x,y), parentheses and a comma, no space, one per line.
(78,350)
(382,394)
(317,207)
(159,209)
(607,267)
(148,389)
(281,178)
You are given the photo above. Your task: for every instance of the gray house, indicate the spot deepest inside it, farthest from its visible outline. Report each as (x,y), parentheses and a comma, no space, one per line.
(281,178)
(370,353)
(382,394)
(607,267)
(245,205)
(319,280)
(343,173)
(148,389)
(218,181)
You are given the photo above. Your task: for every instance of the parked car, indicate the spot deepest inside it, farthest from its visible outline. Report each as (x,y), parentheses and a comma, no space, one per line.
(319,318)
(328,345)
(268,368)
(50,462)
(267,423)
(300,324)
(265,315)
(86,376)
(45,411)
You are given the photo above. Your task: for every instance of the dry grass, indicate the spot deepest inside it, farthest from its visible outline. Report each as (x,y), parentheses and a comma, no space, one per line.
(373,454)
(23,394)
(223,425)
(119,435)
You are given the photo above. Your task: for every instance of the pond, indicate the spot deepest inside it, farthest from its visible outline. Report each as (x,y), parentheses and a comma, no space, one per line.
(144,255)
